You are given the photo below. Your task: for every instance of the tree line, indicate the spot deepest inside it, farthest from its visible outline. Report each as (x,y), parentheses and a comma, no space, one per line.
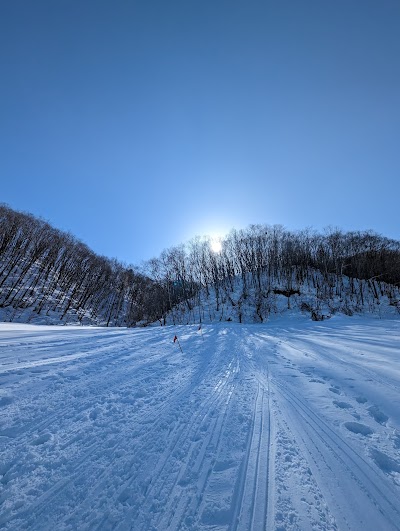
(345,271)
(51,273)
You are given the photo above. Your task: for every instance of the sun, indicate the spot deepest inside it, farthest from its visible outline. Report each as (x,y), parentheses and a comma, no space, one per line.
(216,245)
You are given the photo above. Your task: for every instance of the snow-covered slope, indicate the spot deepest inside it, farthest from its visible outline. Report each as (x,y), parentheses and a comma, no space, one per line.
(247,303)
(49,277)
(291,425)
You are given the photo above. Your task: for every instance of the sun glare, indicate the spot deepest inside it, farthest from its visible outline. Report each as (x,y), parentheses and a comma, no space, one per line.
(216,245)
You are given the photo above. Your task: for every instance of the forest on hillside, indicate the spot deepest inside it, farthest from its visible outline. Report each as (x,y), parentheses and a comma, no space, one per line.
(50,274)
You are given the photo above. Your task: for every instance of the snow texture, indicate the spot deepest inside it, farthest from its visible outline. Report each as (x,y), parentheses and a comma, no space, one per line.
(291,425)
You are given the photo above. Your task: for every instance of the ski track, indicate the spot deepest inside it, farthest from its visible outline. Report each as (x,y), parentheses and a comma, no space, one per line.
(258,427)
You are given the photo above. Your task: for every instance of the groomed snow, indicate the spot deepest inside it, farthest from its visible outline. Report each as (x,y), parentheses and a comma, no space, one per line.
(284,426)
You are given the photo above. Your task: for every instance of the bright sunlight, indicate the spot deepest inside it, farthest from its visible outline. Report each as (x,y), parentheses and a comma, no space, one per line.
(216,245)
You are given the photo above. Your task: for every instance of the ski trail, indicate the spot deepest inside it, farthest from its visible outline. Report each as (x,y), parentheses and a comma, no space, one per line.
(330,456)
(250,428)
(253,492)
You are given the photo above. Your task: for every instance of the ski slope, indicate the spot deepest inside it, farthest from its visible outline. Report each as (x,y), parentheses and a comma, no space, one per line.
(293,425)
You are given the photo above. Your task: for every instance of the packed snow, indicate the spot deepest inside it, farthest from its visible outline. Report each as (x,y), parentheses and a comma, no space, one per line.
(290,425)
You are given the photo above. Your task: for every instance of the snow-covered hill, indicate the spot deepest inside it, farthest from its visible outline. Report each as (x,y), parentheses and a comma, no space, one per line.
(48,277)
(291,425)
(245,302)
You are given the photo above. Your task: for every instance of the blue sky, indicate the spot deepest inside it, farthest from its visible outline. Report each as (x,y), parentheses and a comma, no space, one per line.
(136,125)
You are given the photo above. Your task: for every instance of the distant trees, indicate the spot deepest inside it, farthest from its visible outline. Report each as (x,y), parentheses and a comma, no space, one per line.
(52,273)
(271,261)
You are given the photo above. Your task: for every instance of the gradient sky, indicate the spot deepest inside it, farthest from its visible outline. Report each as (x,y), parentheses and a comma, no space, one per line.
(136,125)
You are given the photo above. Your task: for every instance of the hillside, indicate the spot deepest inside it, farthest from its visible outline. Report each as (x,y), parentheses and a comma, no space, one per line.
(47,276)
(245,303)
